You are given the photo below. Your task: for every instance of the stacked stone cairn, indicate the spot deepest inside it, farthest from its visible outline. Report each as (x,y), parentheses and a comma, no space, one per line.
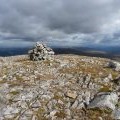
(41,52)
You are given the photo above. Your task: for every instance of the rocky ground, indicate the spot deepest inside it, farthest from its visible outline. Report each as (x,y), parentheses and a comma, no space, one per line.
(70,87)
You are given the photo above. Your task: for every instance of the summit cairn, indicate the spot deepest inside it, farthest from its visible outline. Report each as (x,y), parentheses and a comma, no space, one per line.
(41,52)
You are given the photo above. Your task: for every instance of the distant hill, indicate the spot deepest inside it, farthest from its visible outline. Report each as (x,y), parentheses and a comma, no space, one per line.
(107,52)
(13,51)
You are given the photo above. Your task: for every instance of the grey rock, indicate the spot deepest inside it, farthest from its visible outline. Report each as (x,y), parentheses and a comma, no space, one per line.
(68,112)
(53,113)
(108,78)
(68,105)
(116,114)
(75,104)
(104,100)
(10,112)
(36,104)
(87,97)
(115,65)
(117,80)
(81,105)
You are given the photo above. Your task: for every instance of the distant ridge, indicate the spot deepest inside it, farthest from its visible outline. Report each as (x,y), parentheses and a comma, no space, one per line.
(13,51)
(112,52)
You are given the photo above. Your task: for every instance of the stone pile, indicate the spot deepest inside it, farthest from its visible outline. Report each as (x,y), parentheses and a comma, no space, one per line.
(41,52)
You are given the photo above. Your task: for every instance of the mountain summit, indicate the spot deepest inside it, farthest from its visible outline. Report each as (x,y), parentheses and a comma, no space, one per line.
(68,87)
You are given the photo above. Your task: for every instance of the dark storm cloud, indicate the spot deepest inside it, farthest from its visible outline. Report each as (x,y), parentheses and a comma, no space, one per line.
(82,16)
(57,19)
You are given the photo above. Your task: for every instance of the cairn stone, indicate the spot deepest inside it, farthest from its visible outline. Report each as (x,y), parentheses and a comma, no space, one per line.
(41,52)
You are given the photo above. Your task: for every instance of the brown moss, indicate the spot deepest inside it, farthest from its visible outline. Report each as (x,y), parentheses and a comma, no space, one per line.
(47,62)
(45,77)
(22,60)
(61,114)
(2,81)
(57,97)
(19,83)
(105,88)
(14,92)
(10,101)
(94,114)
(40,114)
(19,78)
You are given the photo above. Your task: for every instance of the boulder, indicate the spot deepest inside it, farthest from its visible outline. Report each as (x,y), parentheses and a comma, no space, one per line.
(115,65)
(104,100)
(41,52)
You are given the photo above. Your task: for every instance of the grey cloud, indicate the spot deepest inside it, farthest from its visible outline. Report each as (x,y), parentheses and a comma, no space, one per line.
(56,19)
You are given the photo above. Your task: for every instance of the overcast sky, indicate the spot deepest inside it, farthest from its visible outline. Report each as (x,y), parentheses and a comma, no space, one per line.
(59,22)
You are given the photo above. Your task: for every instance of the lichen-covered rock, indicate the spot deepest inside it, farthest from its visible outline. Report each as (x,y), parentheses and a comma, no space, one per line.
(41,52)
(104,100)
